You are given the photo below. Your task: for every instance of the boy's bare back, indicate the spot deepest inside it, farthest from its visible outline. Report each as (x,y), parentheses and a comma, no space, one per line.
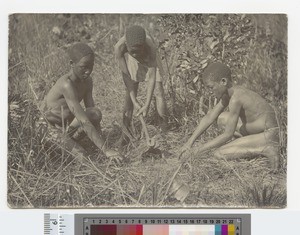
(255,114)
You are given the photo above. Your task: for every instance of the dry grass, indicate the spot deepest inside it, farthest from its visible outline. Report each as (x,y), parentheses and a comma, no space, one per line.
(48,176)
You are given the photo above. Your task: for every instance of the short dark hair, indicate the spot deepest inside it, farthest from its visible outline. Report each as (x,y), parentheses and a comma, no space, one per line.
(216,71)
(135,35)
(79,50)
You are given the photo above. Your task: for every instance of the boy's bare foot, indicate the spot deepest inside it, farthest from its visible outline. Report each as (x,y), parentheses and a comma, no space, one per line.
(272,153)
(122,142)
(114,156)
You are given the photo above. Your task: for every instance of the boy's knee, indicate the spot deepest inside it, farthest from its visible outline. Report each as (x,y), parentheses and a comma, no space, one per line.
(222,119)
(218,154)
(94,114)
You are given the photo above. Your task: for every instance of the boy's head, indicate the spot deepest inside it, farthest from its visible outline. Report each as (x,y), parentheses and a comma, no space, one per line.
(81,60)
(217,78)
(79,50)
(216,71)
(135,40)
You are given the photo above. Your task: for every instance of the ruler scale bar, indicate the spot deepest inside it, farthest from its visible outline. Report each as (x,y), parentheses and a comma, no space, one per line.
(46,224)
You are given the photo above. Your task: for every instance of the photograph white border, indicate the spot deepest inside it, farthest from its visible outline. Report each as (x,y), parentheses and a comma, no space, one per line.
(290,7)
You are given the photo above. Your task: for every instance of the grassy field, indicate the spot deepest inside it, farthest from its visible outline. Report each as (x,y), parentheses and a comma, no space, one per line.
(47,176)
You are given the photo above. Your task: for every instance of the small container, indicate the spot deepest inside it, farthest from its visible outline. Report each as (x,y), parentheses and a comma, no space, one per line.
(179,189)
(182,193)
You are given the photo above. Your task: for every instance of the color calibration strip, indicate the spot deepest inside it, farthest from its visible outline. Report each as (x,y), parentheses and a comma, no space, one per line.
(147,224)
(163,230)
(159,225)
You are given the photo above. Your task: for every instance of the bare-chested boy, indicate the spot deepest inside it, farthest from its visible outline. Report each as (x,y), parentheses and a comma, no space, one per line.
(249,116)
(66,118)
(137,58)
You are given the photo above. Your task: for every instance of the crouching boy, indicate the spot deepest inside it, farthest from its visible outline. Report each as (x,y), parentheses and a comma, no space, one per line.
(64,119)
(136,54)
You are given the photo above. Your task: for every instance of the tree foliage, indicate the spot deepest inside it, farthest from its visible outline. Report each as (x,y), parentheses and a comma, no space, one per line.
(257,58)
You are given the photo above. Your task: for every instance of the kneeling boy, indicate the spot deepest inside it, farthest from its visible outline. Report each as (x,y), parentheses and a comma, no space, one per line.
(249,116)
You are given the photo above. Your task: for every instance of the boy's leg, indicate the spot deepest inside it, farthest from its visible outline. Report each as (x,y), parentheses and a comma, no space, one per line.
(71,146)
(94,114)
(128,106)
(266,144)
(50,135)
(127,110)
(161,104)
(222,121)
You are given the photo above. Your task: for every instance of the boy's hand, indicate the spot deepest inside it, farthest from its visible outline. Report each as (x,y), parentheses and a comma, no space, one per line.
(136,105)
(144,111)
(184,149)
(114,155)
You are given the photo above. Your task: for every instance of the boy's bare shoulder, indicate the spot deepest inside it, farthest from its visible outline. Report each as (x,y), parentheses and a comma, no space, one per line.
(57,90)
(66,84)
(241,93)
(241,96)
(150,43)
(62,86)
(64,81)
(120,47)
(249,98)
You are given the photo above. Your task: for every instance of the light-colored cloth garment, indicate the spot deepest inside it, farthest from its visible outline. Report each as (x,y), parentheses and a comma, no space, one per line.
(139,71)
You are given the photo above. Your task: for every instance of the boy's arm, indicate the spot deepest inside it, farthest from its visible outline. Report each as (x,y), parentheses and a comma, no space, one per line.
(88,98)
(89,102)
(75,107)
(120,49)
(150,90)
(234,113)
(152,77)
(130,87)
(160,66)
(205,122)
